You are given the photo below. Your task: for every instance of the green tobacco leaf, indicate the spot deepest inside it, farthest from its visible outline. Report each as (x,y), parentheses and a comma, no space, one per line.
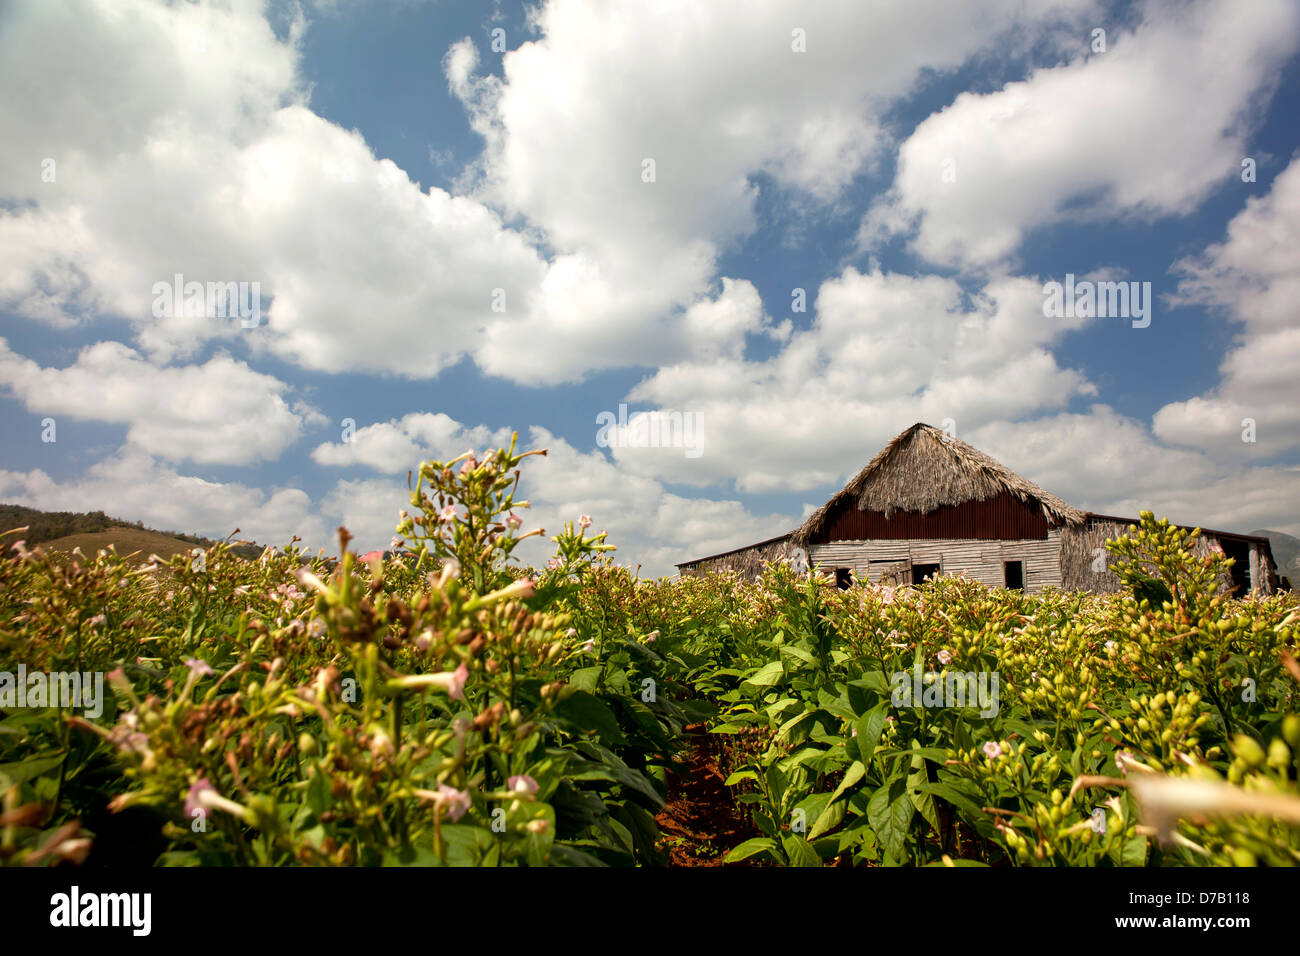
(968,807)
(586,713)
(795,730)
(768,676)
(20,771)
(585,678)
(874,680)
(800,653)
(855,773)
(869,729)
(830,818)
(785,703)
(800,851)
(890,818)
(752,847)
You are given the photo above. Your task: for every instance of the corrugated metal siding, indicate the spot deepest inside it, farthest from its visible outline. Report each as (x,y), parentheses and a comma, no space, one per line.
(978,559)
(1004,517)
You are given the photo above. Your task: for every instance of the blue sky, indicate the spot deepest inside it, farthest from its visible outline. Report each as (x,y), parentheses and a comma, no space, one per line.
(920,170)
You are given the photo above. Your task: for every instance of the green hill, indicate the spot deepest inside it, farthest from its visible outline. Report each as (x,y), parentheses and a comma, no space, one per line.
(92,530)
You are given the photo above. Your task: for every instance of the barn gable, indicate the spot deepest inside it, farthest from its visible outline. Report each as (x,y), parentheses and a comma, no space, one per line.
(928,484)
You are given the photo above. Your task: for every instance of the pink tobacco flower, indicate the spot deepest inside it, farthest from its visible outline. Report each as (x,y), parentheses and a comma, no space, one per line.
(305,578)
(198,667)
(453,682)
(455,803)
(192,799)
(992,750)
(584,521)
(448,513)
(944,657)
(523,784)
(372,556)
(513,521)
(523,588)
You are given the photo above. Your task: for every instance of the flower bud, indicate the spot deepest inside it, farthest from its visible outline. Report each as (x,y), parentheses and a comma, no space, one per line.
(1291,729)
(1279,755)
(1249,750)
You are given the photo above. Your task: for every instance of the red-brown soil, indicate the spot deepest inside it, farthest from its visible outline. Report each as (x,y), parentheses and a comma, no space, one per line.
(701,821)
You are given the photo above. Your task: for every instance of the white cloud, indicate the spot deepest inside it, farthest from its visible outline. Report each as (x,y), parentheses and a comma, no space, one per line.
(221,412)
(647,524)
(167,166)
(1106,462)
(1106,135)
(884,351)
(396,446)
(133,486)
(1252,277)
(716,97)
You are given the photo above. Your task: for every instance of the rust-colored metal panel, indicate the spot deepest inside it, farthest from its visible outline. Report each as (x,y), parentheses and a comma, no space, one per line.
(1002,517)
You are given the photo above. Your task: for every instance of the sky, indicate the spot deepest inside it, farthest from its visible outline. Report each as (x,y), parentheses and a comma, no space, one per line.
(768,235)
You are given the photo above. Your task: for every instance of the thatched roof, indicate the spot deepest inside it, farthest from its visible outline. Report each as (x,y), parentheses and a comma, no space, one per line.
(923,469)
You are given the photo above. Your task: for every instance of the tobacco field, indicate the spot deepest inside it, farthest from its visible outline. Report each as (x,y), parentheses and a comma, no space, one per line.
(446,706)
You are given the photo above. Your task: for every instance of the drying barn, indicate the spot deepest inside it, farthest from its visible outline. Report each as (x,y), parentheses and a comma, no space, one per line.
(931,504)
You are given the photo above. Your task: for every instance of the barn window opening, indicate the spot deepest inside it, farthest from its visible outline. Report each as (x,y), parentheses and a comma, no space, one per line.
(1239,551)
(843,578)
(924,572)
(1014,574)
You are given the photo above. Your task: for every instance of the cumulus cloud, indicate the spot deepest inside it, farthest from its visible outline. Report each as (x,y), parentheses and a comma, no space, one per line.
(716,96)
(1252,277)
(884,351)
(650,526)
(1103,461)
(1105,135)
(135,487)
(221,412)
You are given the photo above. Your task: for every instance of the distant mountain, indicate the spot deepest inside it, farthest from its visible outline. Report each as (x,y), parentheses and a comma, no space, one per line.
(1286,552)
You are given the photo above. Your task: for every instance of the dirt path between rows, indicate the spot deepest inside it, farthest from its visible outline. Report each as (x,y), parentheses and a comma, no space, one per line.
(701,821)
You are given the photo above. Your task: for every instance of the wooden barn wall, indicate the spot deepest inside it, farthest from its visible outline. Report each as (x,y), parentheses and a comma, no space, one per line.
(1078,558)
(748,561)
(980,560)
(1263,576)
(1003,517)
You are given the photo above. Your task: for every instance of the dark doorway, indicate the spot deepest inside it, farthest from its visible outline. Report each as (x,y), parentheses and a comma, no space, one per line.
(1014,574)
(843,578)
(1239,551)
(922,571)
